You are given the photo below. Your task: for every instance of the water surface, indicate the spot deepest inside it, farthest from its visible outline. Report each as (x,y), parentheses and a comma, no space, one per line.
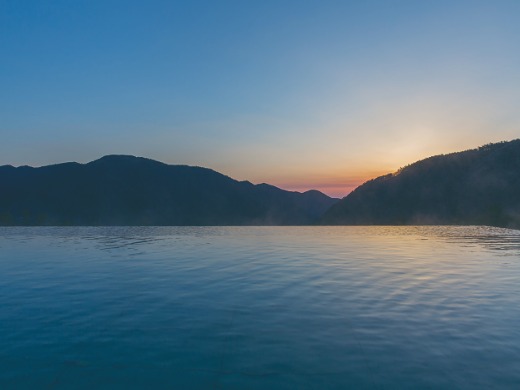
(260,307)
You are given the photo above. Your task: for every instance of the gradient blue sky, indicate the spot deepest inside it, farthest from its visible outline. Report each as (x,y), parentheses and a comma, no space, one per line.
(300,94)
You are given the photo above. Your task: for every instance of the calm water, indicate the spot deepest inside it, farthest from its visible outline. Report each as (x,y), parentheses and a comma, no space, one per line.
(260,308)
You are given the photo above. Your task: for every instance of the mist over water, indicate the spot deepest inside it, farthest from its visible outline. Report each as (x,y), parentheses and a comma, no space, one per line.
(259,307)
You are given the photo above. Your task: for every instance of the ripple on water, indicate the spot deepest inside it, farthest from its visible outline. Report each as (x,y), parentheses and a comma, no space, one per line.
(258,307)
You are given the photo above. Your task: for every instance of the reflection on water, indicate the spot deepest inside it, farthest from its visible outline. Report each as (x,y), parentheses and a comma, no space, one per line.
(260,307)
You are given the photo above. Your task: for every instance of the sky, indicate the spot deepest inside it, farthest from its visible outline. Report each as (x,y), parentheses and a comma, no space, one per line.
(298,94)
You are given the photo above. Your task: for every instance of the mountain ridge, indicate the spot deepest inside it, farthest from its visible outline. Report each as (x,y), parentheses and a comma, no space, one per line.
(478,186)
(129,190)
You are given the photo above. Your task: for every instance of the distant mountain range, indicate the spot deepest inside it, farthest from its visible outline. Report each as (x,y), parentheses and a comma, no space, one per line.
(475,187)
(127,190)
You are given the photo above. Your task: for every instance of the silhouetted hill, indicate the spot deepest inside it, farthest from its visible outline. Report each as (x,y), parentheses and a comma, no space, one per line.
(480,187)
(127,190)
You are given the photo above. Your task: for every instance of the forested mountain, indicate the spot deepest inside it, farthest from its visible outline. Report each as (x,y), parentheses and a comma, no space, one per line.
(480,186)
(127,190)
